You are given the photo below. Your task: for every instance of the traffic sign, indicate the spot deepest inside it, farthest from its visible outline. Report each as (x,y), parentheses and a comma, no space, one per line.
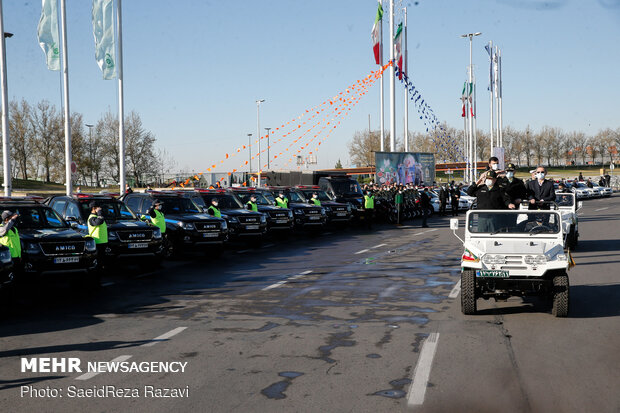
(73,167)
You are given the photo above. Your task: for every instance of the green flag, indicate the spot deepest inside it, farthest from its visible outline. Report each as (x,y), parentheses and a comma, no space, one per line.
(103,30)
(47,32)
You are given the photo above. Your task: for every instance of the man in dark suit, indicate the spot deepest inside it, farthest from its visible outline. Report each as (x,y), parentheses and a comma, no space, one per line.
(540,190)
(489,195)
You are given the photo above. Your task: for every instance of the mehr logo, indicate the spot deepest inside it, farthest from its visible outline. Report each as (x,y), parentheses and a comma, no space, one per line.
(51,365)
(108,60)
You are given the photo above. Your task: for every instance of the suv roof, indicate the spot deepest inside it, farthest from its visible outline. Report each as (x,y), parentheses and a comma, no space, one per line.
(22,200)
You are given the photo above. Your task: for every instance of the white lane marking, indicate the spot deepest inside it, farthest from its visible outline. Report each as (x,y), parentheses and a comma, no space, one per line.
(388,291)
(268,245)
(601,209)
(243,251)
(422,371)
(279,283)
(108,284)
(379,246)
(456,290)
(92,374)
(362,251)
(424,232)
(164,336)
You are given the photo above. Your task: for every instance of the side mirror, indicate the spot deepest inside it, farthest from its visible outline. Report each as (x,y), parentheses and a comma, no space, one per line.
(71,219)
(73,224)
(579,205)
(454,224)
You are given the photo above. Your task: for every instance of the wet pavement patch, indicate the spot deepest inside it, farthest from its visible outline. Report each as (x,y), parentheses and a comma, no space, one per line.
(277,389)
(392,394)
(373,356)
(419,337)
(335,340)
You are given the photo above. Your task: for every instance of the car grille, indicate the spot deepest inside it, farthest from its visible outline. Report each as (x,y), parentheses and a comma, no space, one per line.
(249,220)
(278,215)
(62,248)
(204,227)
(513,262)
(313,212)
(340,209)
(132,236)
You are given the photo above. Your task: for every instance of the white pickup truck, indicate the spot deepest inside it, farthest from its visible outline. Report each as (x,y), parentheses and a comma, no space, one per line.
(513,253)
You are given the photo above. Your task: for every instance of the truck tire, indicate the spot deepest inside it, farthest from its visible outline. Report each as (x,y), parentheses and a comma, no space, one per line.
(560,295)
(468,292)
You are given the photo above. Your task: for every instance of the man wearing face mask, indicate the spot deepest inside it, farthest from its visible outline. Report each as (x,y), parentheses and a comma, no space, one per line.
(489,195)
(213,209)
(493,164)
(540,190)
(513,186)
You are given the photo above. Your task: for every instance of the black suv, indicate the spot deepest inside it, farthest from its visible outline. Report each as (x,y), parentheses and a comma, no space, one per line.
(241,222)
(128,236)
(337,212)
(187,227)
(278,219)
(306,216)
(49,244)
(346,190)
(6,276)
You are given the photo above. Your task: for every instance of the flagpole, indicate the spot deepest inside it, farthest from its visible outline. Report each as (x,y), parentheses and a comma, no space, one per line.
(65,73)
(392,82)
(465,170)
(121,101)
(491,106)
(496,74)
(406,94)
(499,108)
(475,139)
(6,151)
(470,76)
(381,97)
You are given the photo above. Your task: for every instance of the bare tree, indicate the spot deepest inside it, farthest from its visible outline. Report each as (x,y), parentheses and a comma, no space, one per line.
(46,125)
(363,146)
(21,132)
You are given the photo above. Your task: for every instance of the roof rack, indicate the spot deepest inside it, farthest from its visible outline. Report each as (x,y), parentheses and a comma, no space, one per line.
(308,187)
(33,199)
(99,195)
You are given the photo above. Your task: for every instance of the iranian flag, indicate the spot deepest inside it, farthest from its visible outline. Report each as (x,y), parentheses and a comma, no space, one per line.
(466,95)
(376,35)
(398,49)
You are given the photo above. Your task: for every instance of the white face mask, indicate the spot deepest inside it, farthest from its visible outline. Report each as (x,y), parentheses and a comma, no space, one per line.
(495,166)
(540,175)
(488,182)
(215,204)
(510,175)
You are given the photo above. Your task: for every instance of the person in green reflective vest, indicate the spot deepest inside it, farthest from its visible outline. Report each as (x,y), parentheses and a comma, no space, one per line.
(315,199)
(213,210)
(281,200)
(9,236)
(98,230)
(369,208)
(251,205)
(157,217)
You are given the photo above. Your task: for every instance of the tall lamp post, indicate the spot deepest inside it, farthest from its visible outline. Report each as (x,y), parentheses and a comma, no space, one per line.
(5,109)
(250,151)
(268,157)
(471,125)
(90,147)
(258,102)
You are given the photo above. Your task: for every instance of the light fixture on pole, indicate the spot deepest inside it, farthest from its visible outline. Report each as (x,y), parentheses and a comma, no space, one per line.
(470,154)
(5,110)
(250,151)
(90,147)
(258,102)
(268,157)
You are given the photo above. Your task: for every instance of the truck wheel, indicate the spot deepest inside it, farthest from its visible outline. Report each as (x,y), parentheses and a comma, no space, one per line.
(560,295)
(468,292)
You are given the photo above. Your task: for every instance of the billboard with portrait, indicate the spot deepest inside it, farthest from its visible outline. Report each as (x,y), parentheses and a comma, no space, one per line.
(404,168)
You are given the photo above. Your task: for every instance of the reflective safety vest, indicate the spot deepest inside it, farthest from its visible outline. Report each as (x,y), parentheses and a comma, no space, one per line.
(281,202)
(99,233)
(369,202)
(316,201)
(253,205)
(216,212)
(159,221)
(11,240)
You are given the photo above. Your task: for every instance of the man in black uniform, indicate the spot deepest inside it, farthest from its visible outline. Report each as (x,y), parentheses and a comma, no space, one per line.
(455,195)
(563,189)
(425,203)
(541,190)
(443,199)
(489,196)
(513,186)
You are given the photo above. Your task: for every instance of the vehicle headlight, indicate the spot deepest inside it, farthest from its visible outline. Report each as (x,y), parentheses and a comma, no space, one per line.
(298,212)
(186,225)
(156,233)
(32,248)
(90,245)
(263,219)
(290,214)
(5,256)
(322,211)
(224,225)
(328,209)
(535,259)
(560,257)
(233,220)
(348,207)
(493,259)
(112,236)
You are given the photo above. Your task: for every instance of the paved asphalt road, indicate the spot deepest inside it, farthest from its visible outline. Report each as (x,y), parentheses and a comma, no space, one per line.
(352,321)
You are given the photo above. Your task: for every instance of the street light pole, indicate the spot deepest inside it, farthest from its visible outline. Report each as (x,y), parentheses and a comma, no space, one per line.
(258,102)
(6,159)
(90,148)
(470,87)
(250,151)
(268,157)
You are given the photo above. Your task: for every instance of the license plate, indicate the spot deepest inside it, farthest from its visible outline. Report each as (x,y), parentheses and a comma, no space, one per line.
(210,235)
(66,260)
(138,245)
(314,218)
(251,227)
(492,273)
(281,221)
(341,214)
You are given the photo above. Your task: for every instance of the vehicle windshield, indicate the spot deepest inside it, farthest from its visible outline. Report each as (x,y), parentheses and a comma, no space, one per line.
(269,196)
(112,210)
(346,187)
(38,218)
(260,199)
(323,196)
(581,185)
(178,205)
(564,200)
(296,197)
(535,222)
(225,201)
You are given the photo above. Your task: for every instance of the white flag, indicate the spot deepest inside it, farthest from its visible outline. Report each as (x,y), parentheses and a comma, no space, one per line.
(103,30)
(47,32)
